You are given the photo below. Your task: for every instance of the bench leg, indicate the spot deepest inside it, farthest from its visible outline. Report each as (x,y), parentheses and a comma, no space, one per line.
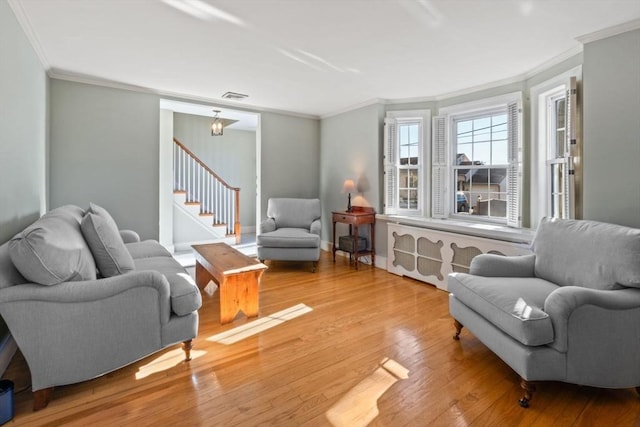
(458,327)
(41,398)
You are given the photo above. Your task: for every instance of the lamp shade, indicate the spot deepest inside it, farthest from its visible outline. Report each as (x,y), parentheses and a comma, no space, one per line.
(349,186)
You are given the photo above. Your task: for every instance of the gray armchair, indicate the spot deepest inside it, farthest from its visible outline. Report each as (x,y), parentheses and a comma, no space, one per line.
(291,231)
(569,312)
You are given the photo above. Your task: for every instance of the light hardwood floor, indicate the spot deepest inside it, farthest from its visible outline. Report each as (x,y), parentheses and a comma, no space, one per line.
(295,372)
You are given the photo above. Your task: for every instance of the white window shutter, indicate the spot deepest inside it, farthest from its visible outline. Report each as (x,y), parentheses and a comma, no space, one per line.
(439,168)
(390,167)
(514,172)
(571,147)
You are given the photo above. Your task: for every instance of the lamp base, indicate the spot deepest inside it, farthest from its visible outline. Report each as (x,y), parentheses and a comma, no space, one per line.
(349,202)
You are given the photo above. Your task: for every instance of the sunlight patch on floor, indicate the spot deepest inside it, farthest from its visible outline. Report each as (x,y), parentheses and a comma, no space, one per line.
(252,328)
(359,406)
(166,361)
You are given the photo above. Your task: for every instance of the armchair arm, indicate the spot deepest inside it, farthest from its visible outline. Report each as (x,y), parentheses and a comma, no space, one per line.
(316,227)
(492,265)
(87,291)
(268,225)
(564,304)
(75,331)
(129,236)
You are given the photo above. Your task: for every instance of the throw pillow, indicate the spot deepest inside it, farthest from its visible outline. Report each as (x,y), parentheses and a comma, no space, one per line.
(108,249)
(102,212)
(52,249)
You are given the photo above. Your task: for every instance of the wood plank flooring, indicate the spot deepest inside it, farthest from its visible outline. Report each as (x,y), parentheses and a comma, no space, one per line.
(294,373)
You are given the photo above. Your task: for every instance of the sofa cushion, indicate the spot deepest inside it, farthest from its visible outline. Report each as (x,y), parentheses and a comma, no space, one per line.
(52,250)
(511,304)
(185,295)
(288,238)
(296,213)
(106,245)
(587,253)
(147,249)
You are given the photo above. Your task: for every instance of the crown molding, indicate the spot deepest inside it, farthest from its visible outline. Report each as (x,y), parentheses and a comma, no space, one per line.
(353,107)
(25,23)
(97,81)
(609,32)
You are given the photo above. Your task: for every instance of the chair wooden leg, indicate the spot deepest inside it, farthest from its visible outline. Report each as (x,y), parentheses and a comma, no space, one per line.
(528,389)
(41,398)
(638,390)
(459,327)
(186,347)
(314,267)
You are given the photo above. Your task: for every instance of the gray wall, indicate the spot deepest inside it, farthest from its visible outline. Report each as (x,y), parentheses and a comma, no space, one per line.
(290,164)
(351,148)
(23,129)
(231,156)
(611,129)
(104,149)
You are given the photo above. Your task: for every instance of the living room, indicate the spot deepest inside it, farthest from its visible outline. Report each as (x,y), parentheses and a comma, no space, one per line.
(68,139)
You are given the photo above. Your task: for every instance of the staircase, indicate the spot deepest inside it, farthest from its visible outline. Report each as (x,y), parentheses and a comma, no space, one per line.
(201,194)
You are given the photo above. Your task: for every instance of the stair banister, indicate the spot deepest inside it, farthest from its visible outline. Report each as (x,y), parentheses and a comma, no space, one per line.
(203,185)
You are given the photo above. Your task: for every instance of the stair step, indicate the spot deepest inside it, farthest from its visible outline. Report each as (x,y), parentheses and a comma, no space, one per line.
(206,214)
(192,203)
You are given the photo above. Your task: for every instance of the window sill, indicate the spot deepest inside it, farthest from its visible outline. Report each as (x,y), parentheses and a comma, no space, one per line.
(491,231)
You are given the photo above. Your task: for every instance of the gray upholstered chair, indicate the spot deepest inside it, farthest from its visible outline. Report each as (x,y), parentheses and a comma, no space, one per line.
(291,231)
(568,312)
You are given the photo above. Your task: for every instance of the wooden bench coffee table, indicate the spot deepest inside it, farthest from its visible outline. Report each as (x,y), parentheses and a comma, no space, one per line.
(237,275)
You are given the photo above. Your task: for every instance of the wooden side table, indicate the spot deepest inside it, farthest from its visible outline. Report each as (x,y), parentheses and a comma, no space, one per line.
(359,215)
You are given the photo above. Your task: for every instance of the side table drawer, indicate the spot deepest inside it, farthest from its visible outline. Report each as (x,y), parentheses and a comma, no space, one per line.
(345,219)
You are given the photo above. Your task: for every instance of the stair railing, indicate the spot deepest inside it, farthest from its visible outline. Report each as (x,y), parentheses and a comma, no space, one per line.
(192,176)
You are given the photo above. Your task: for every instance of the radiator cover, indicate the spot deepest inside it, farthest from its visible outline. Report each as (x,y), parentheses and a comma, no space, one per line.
(430,255)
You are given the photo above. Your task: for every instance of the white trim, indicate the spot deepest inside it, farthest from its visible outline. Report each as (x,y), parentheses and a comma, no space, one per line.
(25,23)
(481,104)
(538,181)
(80,78)
(609,32)
(424,193)
(479,229)
(354,107)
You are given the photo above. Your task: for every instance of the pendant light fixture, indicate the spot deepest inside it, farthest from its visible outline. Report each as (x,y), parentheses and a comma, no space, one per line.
(216,125)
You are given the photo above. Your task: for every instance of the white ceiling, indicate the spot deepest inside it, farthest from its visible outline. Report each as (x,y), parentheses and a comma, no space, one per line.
(311,57)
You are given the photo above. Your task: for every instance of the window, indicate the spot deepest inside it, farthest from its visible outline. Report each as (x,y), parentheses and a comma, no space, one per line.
(480,168)
(406,133)
(555,165)
(476,162)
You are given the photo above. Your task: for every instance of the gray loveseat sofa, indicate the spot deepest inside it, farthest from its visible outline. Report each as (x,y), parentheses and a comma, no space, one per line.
(82,298)
(569,312)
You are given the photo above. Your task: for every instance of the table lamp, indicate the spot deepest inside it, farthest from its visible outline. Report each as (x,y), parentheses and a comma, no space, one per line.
(348,187)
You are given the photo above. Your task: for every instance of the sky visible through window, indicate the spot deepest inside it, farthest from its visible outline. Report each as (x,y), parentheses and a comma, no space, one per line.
(483,140)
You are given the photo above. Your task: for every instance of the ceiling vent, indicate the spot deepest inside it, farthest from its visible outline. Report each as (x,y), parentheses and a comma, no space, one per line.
(234,95)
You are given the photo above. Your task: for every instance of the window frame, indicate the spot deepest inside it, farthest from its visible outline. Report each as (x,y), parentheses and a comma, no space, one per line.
(392,161)
(511,104)
(541,152)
